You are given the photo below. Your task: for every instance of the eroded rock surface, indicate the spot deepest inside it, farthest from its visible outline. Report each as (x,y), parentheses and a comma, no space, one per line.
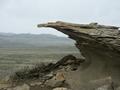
(99,45)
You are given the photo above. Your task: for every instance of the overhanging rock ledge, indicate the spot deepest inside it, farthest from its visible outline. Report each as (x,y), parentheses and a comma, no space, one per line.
(99,44)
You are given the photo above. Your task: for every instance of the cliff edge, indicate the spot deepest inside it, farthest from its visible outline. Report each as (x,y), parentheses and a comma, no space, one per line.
(99,45)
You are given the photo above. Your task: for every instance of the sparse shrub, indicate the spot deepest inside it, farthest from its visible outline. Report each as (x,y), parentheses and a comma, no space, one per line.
(40,71)
(28,73)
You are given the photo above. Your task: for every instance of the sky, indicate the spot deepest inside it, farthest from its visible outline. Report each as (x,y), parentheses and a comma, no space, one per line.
(22,16)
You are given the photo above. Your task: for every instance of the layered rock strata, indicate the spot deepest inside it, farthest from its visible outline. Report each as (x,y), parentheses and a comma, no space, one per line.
(99,45)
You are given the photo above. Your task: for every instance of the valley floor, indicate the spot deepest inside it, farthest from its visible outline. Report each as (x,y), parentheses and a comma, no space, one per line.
(12,59)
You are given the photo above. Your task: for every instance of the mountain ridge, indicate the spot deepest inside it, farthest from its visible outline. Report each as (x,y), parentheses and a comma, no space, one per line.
(11,40)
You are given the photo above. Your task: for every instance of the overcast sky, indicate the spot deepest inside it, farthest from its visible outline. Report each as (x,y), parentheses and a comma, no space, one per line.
(22,16)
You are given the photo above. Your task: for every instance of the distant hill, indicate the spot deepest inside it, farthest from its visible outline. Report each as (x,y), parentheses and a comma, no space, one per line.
(11,40)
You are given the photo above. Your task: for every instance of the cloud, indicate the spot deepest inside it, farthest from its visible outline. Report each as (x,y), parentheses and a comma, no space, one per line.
(21,16)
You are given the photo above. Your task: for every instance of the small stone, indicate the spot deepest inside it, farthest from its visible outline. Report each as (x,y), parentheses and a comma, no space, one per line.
(60,88)
(35,83)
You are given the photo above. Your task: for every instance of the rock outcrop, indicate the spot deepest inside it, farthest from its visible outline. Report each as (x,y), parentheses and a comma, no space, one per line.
(99,45)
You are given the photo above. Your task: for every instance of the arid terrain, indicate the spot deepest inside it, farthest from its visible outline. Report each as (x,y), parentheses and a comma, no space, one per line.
(22,50)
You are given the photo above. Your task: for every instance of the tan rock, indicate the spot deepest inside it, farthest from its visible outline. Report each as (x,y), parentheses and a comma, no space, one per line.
(60,76)
(99,45)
